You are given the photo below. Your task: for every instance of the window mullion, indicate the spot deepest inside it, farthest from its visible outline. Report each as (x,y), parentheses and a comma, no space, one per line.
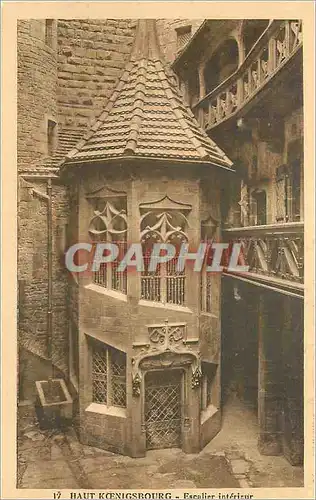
(109,271)
(108,378)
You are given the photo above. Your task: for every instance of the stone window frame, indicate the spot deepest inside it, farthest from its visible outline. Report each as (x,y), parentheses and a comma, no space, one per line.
(106,274)
(105,376)
(50,33)
(208,376)
(184,34)
(51,132)
(169,284)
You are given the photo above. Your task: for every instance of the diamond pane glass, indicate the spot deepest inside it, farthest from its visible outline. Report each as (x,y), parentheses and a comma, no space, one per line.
(99,374)
(163,410)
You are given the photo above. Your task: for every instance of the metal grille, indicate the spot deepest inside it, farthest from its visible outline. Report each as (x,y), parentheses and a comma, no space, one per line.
(108,276)
(163,410)
(150,282)
(119,279)
(100,276)
(99,373)
(118,377)
(175,283)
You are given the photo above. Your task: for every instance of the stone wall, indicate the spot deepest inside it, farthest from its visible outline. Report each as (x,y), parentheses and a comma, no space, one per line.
(33,272)
(91,57)
(70,89)
(166,29)
(107,432)
(37,90)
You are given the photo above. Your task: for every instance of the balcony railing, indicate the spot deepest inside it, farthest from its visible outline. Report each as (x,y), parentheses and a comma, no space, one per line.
(276,46)
(272,251)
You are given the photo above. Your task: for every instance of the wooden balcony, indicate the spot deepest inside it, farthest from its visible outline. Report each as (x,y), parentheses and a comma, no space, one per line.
(278,45)
(274,254)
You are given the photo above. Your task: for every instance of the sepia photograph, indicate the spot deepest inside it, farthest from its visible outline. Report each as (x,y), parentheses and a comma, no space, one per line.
(160,255)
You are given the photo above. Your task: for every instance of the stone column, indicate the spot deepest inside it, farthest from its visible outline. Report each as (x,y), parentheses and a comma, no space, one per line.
(269,380)
(191,416)
(136,431)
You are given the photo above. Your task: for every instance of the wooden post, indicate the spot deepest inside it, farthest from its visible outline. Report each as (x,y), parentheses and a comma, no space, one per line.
(272,55)
(240,91)
(269,382)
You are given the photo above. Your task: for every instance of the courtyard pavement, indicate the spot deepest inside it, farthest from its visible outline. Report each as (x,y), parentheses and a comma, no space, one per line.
(51,460)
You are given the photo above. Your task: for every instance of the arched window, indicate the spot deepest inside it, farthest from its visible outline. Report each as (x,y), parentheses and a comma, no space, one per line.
(222,64)
(252,30)
(163,282)
(109,225)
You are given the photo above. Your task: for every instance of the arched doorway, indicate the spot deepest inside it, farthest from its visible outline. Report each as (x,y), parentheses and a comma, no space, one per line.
(222,64)
(163,408)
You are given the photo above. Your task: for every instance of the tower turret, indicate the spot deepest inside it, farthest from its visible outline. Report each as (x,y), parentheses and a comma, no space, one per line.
(149,338)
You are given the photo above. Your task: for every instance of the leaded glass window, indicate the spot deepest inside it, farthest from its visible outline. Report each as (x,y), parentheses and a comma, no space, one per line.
(108,375)
(99,373)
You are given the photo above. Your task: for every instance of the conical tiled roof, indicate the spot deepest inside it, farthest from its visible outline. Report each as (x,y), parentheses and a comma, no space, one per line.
(146,116)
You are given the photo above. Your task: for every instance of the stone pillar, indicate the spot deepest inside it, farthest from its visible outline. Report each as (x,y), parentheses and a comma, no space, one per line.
(191,421)
(269,380)
(135,403)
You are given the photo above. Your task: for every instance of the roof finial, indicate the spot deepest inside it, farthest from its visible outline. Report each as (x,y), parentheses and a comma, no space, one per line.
(146,45)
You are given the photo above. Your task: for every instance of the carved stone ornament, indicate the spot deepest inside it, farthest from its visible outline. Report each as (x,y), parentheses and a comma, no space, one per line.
(103,192)
(165,204)
(163,227)
(136,385)
(167,346)
(109,221)
(196,377)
